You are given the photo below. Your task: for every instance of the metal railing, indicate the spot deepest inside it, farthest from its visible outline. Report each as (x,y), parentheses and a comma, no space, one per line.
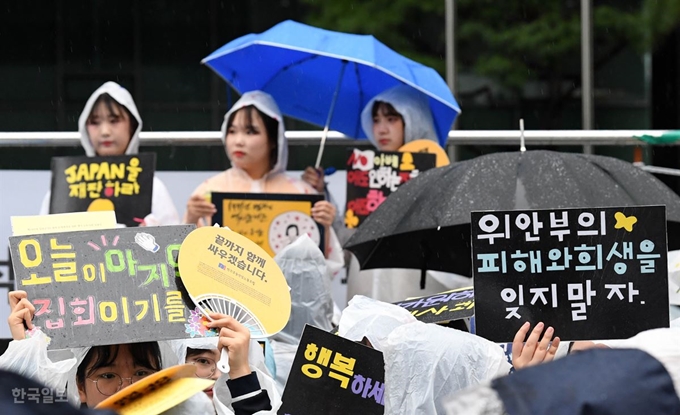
(456,137)
(585,138)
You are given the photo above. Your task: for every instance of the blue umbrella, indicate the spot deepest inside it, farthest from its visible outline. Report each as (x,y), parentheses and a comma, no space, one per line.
(327,77)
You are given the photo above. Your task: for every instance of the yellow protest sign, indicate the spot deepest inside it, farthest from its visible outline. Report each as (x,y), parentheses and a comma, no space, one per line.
(158,392)
(227,273)
(427,146)
(270,220)
(62,222)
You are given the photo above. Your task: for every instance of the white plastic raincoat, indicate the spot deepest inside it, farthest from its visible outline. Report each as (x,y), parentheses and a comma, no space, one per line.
(275,181)
(423,362)
(221,393)
(163,211)
(57,369)
(394,284)
(304,267)
(413,107)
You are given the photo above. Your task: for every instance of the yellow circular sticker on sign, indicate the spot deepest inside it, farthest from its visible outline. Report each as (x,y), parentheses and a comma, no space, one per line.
(227,273)
(427,146)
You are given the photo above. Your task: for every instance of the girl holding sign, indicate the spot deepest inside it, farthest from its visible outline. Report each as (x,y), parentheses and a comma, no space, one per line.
(109,126)
(92,374)
(393,118)
(396,117)
(254,136)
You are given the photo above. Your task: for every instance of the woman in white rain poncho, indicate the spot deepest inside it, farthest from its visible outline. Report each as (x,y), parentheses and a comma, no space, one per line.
(423,362)
(109,126)
(303,265)
(393,118)
(255,142)
(88,374)
(203,351)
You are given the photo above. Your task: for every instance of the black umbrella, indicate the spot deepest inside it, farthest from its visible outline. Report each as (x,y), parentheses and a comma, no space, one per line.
(426,224)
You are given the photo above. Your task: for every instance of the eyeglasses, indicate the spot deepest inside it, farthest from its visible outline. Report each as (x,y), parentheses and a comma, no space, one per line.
(109,383)
(205,367)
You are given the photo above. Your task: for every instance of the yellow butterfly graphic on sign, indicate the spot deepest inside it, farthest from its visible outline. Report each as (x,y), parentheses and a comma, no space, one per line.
(625,222)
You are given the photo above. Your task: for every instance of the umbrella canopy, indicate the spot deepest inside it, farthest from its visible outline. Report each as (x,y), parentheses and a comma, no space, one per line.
(303,67)
(426,224)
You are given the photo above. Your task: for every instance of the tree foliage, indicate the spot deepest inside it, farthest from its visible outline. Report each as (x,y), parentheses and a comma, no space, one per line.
(509,41)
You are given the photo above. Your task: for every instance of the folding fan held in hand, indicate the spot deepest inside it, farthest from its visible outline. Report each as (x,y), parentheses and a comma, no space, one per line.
(225,272)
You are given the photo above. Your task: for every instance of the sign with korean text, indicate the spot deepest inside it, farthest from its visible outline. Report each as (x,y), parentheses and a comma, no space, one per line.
(374,175)
(333,375)
(106,286)
(271,220)
(592,273)
(122,183)
(439,308)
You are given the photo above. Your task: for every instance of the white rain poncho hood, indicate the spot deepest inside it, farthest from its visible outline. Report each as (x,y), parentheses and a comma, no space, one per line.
(57,368)
(304,267)
(123,97)
(426,362)
(221,391)
(265,103)
(179,348)
(423,362)
(372,319)
(413,107)
(674,277)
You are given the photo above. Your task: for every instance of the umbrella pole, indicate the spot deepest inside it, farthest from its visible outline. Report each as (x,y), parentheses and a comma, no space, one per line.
(330,115)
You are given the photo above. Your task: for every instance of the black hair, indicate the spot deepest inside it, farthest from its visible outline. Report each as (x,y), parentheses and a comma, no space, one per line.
(115,109)
(271,126)
(195,352)
(385,108)
(293,226)
(147,354)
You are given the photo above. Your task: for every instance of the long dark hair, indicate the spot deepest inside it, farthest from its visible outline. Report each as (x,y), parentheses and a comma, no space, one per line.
(147,354)
(116,109)
(271,126)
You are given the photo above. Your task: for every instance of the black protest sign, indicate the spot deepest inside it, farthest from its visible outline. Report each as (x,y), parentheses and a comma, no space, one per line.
(121,183)
(106,287)
(271,220)
(439,308)
(374,175)
(596,273)
(333,375)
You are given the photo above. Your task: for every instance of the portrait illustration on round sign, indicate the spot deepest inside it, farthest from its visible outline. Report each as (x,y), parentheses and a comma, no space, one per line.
(288,226)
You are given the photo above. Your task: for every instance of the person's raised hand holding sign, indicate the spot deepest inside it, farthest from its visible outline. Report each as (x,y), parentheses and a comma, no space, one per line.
(536,349)
(22,312)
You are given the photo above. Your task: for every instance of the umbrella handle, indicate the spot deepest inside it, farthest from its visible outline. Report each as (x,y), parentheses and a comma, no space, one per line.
(322,145)
(330,115)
